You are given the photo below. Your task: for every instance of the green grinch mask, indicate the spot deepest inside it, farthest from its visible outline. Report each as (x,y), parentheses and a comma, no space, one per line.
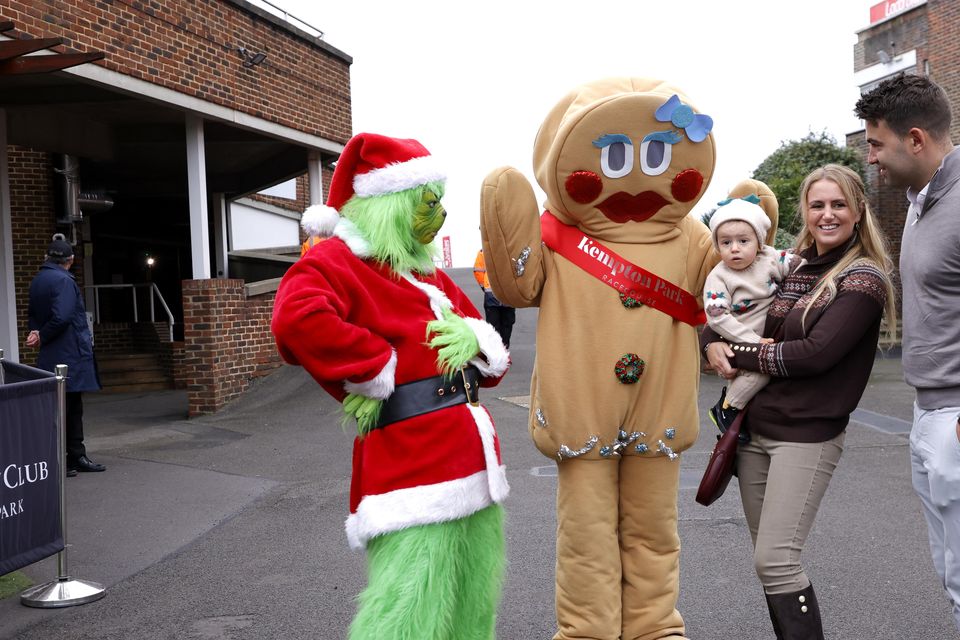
(428,217)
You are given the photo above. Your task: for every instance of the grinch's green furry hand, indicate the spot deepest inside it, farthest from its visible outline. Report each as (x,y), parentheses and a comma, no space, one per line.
(455,341)
(365,410)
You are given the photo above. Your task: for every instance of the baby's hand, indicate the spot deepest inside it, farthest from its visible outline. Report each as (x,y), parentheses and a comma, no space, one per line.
(767,341)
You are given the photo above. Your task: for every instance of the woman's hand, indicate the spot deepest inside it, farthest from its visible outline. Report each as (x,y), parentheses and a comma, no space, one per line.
(718,355)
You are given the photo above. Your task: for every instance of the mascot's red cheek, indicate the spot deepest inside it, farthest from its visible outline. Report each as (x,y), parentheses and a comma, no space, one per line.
(583,186)
(686,186)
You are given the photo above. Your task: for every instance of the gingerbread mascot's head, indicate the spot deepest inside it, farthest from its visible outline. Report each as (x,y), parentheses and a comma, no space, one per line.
(624,158)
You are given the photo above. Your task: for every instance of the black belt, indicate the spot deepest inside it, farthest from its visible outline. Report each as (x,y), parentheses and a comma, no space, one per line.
(430,394)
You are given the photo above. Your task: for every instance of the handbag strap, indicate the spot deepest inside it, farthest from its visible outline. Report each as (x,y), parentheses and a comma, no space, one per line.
(738,420)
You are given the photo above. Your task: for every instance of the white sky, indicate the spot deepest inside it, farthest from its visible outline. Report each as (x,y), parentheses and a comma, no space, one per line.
(473,81)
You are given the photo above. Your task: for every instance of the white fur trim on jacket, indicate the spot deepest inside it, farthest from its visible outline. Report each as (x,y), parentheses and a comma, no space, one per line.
(399,176)
(348,232)
(319,220)
(426,504)
(438,299)
(491,346)
(379,387)
(496,473)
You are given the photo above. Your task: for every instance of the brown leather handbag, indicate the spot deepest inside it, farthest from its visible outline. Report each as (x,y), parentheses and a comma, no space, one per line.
(723,459)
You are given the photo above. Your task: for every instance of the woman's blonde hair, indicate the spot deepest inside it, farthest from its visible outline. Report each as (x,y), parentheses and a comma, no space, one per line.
(868,243)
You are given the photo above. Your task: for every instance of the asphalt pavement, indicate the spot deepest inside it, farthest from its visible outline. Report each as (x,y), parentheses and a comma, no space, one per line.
(230,526)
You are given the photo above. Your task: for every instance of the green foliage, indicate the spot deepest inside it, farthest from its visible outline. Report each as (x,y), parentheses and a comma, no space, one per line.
(784,239)
(784,170)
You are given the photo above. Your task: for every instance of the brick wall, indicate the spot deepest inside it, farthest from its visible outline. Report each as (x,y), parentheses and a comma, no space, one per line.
(944,53)
(32,225)
(187,46)
(227,342)
(900,34)
(190,46)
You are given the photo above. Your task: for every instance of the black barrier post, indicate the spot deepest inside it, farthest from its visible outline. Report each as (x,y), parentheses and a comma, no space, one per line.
(64,591)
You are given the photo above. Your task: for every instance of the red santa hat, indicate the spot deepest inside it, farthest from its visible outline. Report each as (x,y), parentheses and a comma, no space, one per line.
(371,165)
(375,165)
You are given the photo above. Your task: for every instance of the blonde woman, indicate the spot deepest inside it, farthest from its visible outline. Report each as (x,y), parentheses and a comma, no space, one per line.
(825,321)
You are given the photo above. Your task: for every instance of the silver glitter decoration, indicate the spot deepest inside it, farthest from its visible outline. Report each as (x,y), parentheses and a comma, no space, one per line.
(642,447)
(567,452)
(671,433)
(521,261)
(541,419)
(624,440)
(667,451)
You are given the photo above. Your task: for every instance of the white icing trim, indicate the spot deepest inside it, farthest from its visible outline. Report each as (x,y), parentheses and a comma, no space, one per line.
(491,345)
(379,387)
(398,176)
(426,504)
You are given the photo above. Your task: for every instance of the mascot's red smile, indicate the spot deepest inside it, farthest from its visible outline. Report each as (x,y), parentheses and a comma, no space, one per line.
(622,207)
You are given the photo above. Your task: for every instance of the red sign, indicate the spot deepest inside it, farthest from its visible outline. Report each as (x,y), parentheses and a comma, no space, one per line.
(447,253)
(889,8)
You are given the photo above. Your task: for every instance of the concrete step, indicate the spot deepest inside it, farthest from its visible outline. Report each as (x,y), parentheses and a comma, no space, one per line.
(126,372)
(138,387)
(126,361)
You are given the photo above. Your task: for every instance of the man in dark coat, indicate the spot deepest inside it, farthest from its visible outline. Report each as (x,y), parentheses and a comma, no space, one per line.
(58,326)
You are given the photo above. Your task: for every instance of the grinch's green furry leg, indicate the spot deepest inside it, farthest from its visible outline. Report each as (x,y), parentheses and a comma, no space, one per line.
(434,582)
(483,558)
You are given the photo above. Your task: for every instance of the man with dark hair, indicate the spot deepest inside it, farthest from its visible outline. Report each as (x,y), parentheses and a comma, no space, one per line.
(57,321)
(908,131)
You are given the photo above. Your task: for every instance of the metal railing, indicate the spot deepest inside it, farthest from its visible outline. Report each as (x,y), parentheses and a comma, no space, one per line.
(153,292)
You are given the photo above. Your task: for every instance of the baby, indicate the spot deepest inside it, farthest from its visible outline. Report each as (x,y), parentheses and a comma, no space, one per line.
(739,290)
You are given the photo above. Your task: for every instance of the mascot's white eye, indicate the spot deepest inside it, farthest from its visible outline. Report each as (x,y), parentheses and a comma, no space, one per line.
(616,159)
(655,156)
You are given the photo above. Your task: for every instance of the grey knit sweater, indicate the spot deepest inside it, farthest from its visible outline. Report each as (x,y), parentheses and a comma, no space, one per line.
(930,275)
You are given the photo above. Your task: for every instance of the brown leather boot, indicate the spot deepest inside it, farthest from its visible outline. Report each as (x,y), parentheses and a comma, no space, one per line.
(796,616)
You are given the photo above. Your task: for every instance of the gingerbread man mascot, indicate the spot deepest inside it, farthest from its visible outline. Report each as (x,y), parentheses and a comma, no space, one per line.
(617,267)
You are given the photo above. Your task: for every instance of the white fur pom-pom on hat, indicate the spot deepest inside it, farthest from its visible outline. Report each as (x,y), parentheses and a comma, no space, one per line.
(319,220)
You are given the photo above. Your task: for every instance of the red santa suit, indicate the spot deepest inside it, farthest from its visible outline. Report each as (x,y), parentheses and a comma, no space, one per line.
(370,328)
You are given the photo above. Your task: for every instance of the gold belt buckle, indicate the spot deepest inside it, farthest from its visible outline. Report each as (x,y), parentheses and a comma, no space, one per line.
(467,388)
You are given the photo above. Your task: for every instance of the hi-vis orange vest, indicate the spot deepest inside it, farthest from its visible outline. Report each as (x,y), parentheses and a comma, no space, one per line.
(308,243)
(480,271)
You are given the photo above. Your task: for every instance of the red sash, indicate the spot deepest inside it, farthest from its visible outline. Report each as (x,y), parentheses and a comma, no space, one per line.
(618,272)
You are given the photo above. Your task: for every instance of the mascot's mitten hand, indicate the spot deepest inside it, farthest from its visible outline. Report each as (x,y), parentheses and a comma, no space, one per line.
(365,410)
(510,230)
(455,341)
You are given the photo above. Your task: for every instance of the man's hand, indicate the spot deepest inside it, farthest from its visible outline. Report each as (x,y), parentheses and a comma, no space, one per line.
(33,339)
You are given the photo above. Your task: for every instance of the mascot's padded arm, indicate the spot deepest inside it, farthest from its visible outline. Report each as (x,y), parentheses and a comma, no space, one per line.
(702,256)
(309,330)
(509,225)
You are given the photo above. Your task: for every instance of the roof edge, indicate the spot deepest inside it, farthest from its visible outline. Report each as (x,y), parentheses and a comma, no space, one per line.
(287,26)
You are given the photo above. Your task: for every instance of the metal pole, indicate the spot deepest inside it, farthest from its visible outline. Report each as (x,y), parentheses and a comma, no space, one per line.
(62,452)
(1,366)
(64,591)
